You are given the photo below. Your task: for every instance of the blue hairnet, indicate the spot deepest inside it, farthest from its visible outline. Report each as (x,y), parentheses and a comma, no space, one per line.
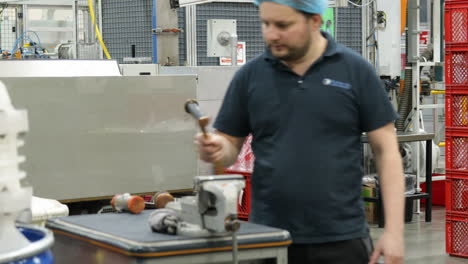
(308,6)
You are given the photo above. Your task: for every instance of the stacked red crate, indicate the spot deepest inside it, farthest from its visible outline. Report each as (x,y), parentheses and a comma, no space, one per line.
(456,110)
(244,166)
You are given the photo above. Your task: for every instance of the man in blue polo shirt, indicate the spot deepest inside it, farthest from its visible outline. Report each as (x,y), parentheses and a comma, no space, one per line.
(306,101)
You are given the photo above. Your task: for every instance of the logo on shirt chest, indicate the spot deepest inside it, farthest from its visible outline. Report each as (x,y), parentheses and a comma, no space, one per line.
(330,82)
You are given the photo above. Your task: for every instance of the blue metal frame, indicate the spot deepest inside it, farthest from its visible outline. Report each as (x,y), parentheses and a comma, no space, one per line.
(154,36)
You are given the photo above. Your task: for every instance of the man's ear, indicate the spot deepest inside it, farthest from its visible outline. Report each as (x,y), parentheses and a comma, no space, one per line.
(316,21)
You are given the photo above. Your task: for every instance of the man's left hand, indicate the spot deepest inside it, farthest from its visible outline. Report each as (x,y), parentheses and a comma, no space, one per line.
(391,247)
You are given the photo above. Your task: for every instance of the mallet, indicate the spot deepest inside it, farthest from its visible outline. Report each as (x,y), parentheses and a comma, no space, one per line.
(192,107)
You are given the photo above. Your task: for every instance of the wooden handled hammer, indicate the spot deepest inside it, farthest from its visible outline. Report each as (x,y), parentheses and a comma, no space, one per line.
(192,107)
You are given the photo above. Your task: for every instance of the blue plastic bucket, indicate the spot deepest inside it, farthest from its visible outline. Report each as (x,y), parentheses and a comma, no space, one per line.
(38,252)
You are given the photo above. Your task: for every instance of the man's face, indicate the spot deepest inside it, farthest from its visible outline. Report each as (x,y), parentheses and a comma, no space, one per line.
(286,31)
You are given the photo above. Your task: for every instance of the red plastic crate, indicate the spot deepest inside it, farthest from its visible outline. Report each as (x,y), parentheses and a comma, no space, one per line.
(456,110)
(244,166)
(243,209)
(456,67)
(456,22)
(456,192)
(456,235)
(456,149)
(245,159)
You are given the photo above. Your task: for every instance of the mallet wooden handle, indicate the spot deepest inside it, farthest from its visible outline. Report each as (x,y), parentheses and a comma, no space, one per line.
(191,107)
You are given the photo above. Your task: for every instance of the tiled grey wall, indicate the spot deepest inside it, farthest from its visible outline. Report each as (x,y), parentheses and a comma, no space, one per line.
(349,27)
(126,23)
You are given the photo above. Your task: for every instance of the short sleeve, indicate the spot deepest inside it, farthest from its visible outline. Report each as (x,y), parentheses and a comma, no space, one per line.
(376,109)
(233,117)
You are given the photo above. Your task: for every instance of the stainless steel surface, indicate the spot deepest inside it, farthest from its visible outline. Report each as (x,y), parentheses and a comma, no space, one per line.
(201,179)
(235,253)
(32,249)
(407,137)
(98,136)
(58,68)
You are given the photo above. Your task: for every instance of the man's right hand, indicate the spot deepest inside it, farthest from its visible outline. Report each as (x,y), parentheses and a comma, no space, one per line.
(210,147)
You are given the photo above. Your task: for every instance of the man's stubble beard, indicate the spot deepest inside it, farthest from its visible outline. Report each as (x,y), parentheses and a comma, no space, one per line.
(293,53)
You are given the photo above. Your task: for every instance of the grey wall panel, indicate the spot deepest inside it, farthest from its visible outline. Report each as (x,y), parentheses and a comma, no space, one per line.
(98,136)
(126,23)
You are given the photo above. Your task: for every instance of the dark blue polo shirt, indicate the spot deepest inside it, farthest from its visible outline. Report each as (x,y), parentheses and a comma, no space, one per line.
(306,140)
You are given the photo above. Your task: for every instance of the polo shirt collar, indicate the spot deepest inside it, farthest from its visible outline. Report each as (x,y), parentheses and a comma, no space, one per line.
(332,49)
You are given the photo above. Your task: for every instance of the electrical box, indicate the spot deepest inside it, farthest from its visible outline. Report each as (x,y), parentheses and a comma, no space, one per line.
(219,32)
(388,38)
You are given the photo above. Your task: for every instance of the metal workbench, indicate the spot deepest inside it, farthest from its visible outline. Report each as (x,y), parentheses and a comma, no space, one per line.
(127,238)
(411,137)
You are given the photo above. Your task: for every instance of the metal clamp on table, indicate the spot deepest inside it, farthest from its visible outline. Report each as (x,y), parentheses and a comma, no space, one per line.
(127,238)
(410,137)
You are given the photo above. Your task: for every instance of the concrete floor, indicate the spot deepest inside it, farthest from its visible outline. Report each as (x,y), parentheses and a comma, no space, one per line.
(425,242)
